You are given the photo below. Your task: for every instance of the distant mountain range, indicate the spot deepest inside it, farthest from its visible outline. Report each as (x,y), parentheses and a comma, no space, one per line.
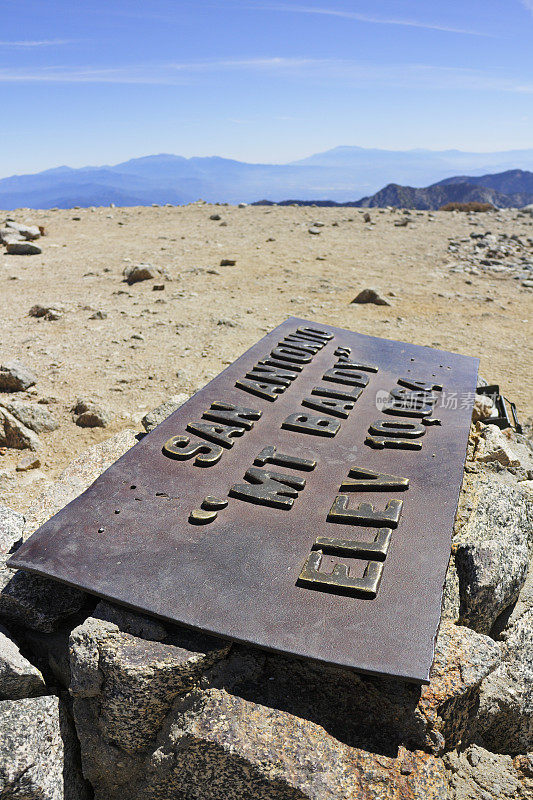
(342,175)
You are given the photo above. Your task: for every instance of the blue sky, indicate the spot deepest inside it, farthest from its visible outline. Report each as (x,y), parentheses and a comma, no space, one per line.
(100,82)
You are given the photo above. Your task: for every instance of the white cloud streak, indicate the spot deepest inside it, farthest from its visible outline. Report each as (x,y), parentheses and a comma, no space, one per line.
(357,17)
(37,43)
(315,72)
(528,4)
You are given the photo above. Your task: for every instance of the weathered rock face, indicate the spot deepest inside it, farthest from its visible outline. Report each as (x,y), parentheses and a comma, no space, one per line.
(18,678)
(157,415)
(477,774)
(15,377)
(123,687)
(33,416)
(36,752)
(493,550)
(15,434)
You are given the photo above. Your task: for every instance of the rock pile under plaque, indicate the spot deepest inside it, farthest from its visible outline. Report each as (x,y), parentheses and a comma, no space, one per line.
(97,701)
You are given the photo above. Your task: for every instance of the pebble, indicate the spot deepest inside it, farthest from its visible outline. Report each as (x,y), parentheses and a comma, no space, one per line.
(228,262)
(370,296)
(50,312)
(140,272)
(314,230)
(99,315)
(28,462)
(215,217)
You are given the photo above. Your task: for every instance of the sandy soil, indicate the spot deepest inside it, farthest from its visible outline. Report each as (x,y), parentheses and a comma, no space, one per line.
(153,344)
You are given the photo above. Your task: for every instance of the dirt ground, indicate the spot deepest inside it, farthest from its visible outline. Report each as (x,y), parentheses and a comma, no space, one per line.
(153,344)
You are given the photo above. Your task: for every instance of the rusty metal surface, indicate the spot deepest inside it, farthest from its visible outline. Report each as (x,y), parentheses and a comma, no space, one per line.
(245,570)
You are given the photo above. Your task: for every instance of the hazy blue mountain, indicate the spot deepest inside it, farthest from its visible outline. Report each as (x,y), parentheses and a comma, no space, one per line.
(342,174)
(513,181)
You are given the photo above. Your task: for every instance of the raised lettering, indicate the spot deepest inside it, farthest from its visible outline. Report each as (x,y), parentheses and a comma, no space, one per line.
(364,513)
(206,454)
(270,455)
(364,480)
(339,581)
(267,391)
(267,488)
(221,434)
(338,408)
(309,423)
(228,413)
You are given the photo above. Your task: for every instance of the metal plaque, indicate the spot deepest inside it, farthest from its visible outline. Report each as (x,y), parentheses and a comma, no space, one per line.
(303,502)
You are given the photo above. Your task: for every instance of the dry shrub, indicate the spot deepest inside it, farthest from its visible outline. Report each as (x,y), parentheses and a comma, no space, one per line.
(467,207)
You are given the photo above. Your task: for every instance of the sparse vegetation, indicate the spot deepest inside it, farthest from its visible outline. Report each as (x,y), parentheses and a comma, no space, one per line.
(467,207)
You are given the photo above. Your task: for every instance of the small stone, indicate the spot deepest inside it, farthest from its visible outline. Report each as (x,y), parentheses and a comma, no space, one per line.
(90,414)
(228,323)
(401,223)
(527,284)
(158,287)
(367,217)
(157,415)
(22,249)
(215,217)
(32,415)
(27,463)
(140,272)
(370,296)
(18,677)
(14,434)
(228,262)
(26,231)
(314,230)
(15,377)
(99,315)
(242,205)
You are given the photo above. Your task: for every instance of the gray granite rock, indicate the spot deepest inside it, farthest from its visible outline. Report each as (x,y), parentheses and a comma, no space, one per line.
(492,550)
(157,415)
(32,415)
(477,774)
(29,232)
(216,745)
(370,296)
(31,750)
(123,688)
(18,678)
(140,272)
(15,377)
(11,527)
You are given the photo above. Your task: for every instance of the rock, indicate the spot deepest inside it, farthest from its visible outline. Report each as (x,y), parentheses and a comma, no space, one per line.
(493,445)
(48,312)
(492,550)
(401,223)
(11,527)
(527,284)
(32,415)
(22,249)
(14,434)
(242,205)
(76,478)
(8,235)
(527,209)
(370,296)
(140,272)
(215,217)
(28,462)
(15,377)
(477,774)
(123,688)
(26,599)
(228,262)
(157,415)
(99,315)
(90,414)
(158,287)
(314,230)
(18,678)
(217,744)
(31,749)
(483,407)
(29,232)
(38,752)
(367,217)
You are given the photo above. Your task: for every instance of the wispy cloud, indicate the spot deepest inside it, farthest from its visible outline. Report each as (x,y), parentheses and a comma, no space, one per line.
(313,71)
(353,15)
(37,42)
(528,4)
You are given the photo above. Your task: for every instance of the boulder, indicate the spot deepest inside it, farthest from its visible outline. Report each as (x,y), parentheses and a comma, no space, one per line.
(28,232)
(32,415)
(15,377)
(14,434)
(493,549)
(123,688)
(48,312)
(494,445)
(18,678)
(157,415)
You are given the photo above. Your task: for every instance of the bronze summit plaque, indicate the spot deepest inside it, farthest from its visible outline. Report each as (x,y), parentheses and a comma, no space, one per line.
(303,501)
